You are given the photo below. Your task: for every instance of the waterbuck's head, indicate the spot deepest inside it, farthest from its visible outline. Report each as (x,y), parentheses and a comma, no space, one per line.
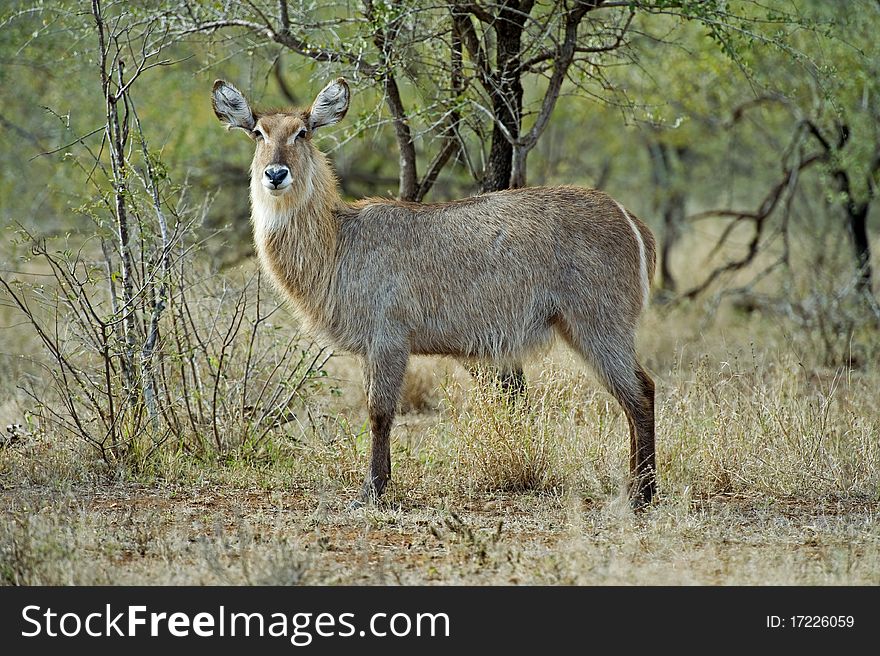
(284,157)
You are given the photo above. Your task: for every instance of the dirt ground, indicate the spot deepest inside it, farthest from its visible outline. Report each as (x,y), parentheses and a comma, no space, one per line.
(128,534)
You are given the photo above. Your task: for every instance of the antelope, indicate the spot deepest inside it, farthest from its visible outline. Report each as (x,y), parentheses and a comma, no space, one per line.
(488,278)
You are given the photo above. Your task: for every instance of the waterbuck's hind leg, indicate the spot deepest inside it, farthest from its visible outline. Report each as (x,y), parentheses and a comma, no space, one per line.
(383,377)
(643,465)
(612,356)
(509,379)
(634,390)
(513,383)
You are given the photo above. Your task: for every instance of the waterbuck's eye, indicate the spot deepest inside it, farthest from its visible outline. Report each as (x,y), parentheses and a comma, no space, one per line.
(293,138)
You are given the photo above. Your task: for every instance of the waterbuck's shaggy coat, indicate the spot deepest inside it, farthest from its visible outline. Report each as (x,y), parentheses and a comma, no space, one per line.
(490,277)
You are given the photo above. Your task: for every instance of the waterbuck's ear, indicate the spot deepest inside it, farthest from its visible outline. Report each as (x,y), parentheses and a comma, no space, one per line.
(231,107)
(330,105)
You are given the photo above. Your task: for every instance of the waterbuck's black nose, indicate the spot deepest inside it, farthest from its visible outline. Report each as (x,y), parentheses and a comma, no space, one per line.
(276,174)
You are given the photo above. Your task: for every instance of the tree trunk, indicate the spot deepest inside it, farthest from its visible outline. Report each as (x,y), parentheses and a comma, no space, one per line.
(507,98)
(383,38)
(857,222)
(856,211)
(673,216)
(408,188)
(669,202)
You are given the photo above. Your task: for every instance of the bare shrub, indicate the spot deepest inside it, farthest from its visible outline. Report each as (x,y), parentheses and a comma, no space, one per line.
(144,348)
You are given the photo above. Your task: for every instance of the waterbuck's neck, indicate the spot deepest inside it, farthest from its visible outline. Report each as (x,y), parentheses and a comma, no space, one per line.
(295,235)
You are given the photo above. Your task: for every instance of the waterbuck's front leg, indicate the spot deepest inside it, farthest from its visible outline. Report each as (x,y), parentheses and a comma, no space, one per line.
(384,370)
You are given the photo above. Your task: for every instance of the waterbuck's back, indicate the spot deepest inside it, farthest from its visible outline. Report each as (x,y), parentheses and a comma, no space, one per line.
(488,276)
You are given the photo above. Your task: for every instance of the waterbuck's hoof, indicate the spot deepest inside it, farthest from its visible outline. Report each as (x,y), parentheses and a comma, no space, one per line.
(369,495)
(364,499)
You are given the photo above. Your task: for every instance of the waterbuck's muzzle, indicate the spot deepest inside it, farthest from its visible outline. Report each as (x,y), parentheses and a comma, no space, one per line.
(276,178)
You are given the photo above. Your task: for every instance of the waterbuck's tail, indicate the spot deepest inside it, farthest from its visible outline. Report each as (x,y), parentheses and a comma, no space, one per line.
(650,256)
(647,252)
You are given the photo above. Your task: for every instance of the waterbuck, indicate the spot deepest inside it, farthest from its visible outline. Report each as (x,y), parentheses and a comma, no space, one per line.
(491,277)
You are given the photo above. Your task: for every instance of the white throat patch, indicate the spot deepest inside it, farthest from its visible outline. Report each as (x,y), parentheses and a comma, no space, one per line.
(271,212)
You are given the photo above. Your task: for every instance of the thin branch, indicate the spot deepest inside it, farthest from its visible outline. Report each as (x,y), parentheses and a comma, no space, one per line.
(450,147)
(771,200)
(68,145)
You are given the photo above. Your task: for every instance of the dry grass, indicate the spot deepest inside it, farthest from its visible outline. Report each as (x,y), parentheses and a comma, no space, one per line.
(769,474)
